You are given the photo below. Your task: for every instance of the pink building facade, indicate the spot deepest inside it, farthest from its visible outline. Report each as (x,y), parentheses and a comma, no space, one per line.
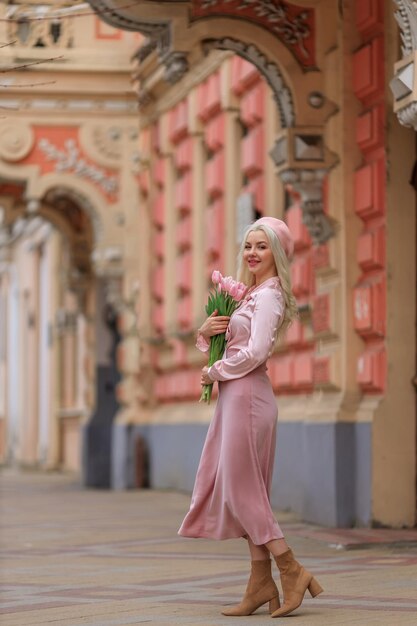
(241,115)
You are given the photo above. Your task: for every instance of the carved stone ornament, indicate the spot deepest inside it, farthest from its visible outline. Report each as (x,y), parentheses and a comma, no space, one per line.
(117,17)
(291,24)
(70,160)
(309,184)
(408,115)
(406,16)
(268,69)
(16,141)
(176,65)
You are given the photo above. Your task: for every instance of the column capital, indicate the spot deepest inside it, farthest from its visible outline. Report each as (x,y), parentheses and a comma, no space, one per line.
(303,161)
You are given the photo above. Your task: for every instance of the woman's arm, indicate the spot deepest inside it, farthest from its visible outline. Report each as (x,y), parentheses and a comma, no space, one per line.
(269,308)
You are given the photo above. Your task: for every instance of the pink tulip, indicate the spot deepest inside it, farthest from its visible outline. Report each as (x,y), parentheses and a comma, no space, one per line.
(216,277)
(234,290)
(226,284)
(241,290)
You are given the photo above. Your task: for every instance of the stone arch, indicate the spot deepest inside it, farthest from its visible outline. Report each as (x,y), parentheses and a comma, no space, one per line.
(273,38)
(270,71)
(79,191)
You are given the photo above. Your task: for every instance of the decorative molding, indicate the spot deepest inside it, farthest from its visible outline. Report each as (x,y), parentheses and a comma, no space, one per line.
(70,160)
(406,16)
(292,25)
(145,50)
(309,184)
(176,65)
(16,141)
(114,16)
(270,71)
(408,115)
(41,26)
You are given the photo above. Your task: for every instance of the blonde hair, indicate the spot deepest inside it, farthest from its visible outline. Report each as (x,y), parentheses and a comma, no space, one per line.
(283,272)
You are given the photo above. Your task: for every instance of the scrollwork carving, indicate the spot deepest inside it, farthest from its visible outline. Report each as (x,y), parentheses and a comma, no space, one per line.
(70,160)
(292,30)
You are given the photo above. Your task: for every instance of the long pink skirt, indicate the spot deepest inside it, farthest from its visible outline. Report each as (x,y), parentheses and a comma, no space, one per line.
(232,486)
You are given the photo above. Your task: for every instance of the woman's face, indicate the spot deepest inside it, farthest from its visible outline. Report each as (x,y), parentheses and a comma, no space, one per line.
(258,256)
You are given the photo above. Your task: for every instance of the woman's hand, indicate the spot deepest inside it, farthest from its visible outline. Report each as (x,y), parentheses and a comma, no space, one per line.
(205,380)
(214,325)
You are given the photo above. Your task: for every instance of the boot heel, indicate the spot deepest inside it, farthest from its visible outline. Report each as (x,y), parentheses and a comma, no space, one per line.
(314,588)
(274,604)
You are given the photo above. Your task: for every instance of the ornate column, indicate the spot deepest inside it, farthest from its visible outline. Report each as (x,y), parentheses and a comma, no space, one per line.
(303,161)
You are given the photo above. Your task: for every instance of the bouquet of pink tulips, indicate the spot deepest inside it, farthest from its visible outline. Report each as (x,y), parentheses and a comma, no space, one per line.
(224,298)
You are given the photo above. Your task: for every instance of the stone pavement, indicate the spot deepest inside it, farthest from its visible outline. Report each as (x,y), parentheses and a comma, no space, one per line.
(73,557)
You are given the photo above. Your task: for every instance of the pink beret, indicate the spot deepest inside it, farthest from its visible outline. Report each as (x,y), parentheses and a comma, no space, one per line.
(282,232)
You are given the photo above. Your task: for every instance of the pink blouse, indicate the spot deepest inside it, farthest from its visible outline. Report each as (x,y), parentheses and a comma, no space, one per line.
(251,332)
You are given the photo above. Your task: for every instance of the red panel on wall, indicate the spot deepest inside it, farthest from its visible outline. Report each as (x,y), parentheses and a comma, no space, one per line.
(294,336)
(369,309)
(294,220)
(159,210)
(105,31)
(214,133)
(159,172)
(253,154)
(179,349)
(369,17)
(214,229)
(320,256)
(209,97)
(158,282)
(256,187)
(183,194)
(252,105)
(159,244)
(244,75)
(183,154)
(215,175)
(178,122)
(371,249)
(184,272)
(370,190)
(321,313)
(184,233)
(185,312)
(281,372)
(158,318)
(301,277)
(371,372)
(368,70)
(370,128)
(303,370)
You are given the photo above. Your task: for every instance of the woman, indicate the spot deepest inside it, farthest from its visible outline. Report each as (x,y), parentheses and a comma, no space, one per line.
(232,487)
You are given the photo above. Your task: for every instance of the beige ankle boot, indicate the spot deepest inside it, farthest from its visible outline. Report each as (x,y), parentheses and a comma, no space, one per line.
(295,580)
(260,590)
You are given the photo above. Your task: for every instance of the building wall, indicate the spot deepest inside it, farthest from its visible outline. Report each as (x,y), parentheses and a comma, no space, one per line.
(68,143)
(206,146)
(163,201)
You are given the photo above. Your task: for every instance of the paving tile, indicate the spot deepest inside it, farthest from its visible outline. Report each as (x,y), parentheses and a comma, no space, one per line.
(78,557)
